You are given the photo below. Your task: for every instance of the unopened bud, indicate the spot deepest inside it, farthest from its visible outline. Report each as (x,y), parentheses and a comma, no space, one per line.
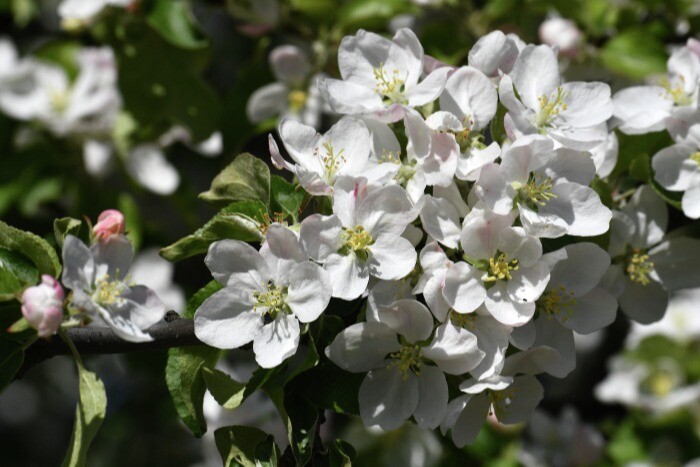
(110,222)
(42,306)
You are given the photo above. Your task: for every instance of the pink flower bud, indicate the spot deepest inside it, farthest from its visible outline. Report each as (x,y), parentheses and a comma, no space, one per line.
(110,222)
(42,306)
(561,33)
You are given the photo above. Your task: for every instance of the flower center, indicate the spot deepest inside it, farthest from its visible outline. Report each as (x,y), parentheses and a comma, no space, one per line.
(272,300)
(358,240)
(405,173)
(550,107)
(296,100)
(407,359)
(677,92)
(556,301)
(695,157)
(59,101)
(108,292)
(331,161)
(660,383)
(639,267)
(389,85)
(463,320)
(537,191)
(500,268)
(390,157)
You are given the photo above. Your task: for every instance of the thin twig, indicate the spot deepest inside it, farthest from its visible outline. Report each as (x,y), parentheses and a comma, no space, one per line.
(173,331)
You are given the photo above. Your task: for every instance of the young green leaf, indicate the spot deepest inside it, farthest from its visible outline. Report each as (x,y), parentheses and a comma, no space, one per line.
(11,359)
(236,222)
(33,247)
(199,297)
(89,415)
(246,178)
(238,445)
(285,197)
(65,226)
(227,391)
(183,376)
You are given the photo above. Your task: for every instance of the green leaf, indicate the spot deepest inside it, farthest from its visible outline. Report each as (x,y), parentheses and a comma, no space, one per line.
(635,53)
(33,247)
(341,454)
(370,14)
(246,178)
(183,376)
(227,391)
(65,226)
(625,446)
(11,359)
(238,221)
(89,415)
(286,197)
(61,53)
(267,453)
(322,10)
(199,297)
(175,22)
(16,272)
(329,387)
(238,445)
(302,421)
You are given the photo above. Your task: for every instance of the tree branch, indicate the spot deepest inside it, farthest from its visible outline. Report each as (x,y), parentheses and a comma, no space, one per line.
(173,331)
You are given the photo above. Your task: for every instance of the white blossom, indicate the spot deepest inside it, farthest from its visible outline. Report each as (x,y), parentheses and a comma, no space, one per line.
(266,295)
(572,114)
(99,279)
(381,76)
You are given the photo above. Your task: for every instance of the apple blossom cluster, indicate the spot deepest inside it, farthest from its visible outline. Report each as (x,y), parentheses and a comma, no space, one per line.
(670,104)
(461,216)
(88,110)
(102,292)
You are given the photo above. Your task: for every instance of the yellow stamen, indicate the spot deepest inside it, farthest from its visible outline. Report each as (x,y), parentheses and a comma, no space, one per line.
(695,157)
(639,267)
(677,92)
(108,292)
(550,107)
(389,85)
(556,301)
(297,100)
(331,161)
(407,359)
(537,191)
(272,299)
(500,268)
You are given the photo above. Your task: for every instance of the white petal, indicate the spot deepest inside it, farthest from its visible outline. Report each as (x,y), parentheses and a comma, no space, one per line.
(309,291)
(385,211)
(505,310)
(387,399)
(350,138)
(301,141)
(582,269)
(454,349)
(391,258)
(226,320)
(593,311)
(78,264)
(267,102)
(429,89)
(493,190)
(527,393)
(527,284)
(535,74)
(673,168)
(289,63)
(644,303)
(469,423)
(676,261)
(587,104)
(362,346)
(349,276)
(113,257)
(321,236)
(470,95)
(349,98)
(691,199)
(149,167)
(432,397)
(277,341)
(236,262)
(440,220)
(409,318)
(641,109)
(463,289)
